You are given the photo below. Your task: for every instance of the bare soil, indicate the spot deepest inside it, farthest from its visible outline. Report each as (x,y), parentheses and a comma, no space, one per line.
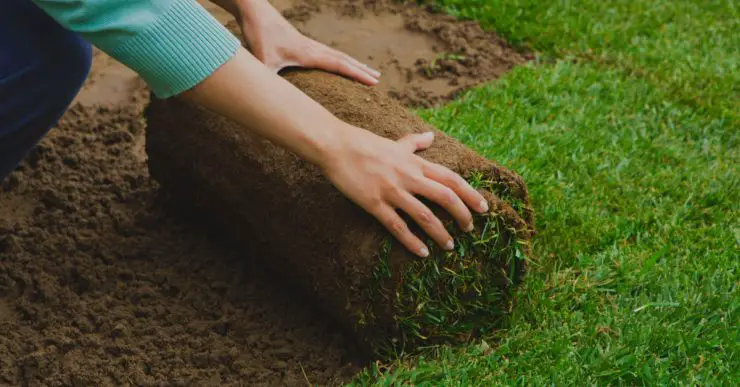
(101,283)
(425,57)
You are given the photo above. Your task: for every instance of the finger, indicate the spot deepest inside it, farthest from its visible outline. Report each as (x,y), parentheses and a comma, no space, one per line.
(375,73)
(326,60)
(363,67)
(355,66)
(390,219)
(449,200)
(417,141)
(344,67)
(425,218)
(339,54)
(462,188)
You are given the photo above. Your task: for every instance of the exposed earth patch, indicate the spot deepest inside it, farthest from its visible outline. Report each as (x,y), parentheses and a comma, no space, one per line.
(101,284)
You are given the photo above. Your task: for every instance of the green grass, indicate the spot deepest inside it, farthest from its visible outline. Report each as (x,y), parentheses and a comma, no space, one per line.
(632,168)
(690,48)
(454,295)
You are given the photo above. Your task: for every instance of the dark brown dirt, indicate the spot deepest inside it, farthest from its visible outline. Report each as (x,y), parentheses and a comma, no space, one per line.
(425,57)
(100,284)
(319,240)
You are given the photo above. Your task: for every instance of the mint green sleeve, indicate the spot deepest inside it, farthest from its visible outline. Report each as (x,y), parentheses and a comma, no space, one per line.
(172,44)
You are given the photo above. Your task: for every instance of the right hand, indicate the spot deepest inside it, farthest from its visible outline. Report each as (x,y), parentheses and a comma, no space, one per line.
(378,174)
(383,176)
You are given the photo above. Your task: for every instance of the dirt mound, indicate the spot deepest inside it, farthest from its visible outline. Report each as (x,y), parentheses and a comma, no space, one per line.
(100,284)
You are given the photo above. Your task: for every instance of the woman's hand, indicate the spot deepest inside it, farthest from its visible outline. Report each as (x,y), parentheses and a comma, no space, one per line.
(380,175)
(383,176)
(277,44)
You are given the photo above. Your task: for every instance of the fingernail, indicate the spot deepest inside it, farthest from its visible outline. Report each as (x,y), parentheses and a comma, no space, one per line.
(429,135)
(374,71)
(470,227)
(483,206)
(450,245)
(424,252)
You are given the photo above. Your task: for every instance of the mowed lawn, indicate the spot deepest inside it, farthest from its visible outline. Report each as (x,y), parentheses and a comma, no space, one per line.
(626,130)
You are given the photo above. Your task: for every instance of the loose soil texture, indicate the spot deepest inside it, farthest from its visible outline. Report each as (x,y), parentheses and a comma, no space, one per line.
(425,57)
(102,284)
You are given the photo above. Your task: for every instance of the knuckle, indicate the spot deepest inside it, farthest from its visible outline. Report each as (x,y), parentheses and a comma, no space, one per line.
(341,64)
(375,203)
(419,179)
(457,180)
(398,227)
(396,191)
(425,216)
(449,197)
(451,178)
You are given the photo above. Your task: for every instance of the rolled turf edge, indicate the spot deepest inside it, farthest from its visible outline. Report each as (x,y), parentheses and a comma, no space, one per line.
(392,301)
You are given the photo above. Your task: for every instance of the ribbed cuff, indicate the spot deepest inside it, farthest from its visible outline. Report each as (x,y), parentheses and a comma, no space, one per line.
(179,50)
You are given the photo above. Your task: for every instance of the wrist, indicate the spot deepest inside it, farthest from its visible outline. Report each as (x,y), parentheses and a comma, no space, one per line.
(327,148)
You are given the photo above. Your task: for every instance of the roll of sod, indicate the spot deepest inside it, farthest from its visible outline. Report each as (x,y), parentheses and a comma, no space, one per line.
(316,239)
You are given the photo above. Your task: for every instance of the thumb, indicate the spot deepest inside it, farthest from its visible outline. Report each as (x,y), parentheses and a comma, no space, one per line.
(417,141)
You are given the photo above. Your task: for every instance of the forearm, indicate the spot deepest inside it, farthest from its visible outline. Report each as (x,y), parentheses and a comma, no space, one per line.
(245,91)
(172,44)
(378,174)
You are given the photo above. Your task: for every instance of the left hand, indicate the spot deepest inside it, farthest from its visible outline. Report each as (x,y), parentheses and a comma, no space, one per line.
(277,44)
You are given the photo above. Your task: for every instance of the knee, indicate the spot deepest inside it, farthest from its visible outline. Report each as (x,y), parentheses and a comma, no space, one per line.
(44,86)
(72,65)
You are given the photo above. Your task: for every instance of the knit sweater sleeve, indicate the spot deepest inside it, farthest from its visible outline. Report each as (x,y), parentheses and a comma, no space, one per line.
(172,44)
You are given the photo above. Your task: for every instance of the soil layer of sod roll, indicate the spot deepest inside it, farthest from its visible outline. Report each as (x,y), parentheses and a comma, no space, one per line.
(322,243)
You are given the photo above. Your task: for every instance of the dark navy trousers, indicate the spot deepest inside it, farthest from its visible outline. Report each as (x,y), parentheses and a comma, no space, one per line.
(42,67)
